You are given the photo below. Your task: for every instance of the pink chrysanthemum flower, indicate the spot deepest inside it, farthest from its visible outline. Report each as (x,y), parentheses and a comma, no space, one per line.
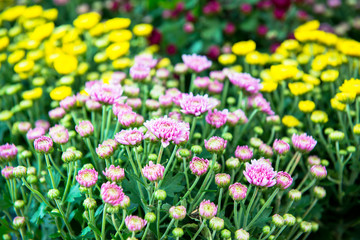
(242,234)
(180,68)
(35,133)
(222,179)
(232,119)
(265,150)
(175,115)
(68,103)
(106,93)
(153,172)
(162,73)
(134,103)
(59,134)
(139,71)
(237,191)
(57,113)
(111,142)
(125,203)
(177,212)
(240,113)
(274,119)
(120,108)
(43,124)
(134,223)
(260,173)
(283,180)
(281,147)
(195,105)
(152,104)
(24,127)
(215,145)
(104,151)
(92,105)
(145,59)
(258,101)
(196,63)
(168,130)
(84,128)
(87,177)
(165,101)
(7,172)
(82,98)
(131,90)
(218,75)
(245,81)
(43,144)
(243,153)
(174,93)
(207,209)
(127,119)
(303,142)
(215,87)
(8,152)
(216,118)
(202,82)
(318,171)
(130,137)
(313,160)
(117,78)
(111,193)
(115,174)
(199,166)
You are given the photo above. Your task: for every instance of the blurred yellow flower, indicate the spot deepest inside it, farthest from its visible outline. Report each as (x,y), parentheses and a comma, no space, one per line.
(243,47)
(117,23)
(143,29)
(163,63)
(120,35)
(329,75)
(100,57)
(319,117)
(65,64)
(117,50)
(346,97)
(4,42)
(24,66)
(300,88)
(82,68)
(310,79)
(227,59)
(319,62)
(13,13)
(356,129)
(352,85)
(121,63)
(276,57)
(32,94)
(349,47)
(308,26)
(87,20)
(50,14)
(5,115)
(35,54)
(42,31)
(97,30)
(335,104)
(16,56)
(32,12)
(290,121)
(303,58)
(281,72)
(306,106)
(290,45)
(60,93)
(257,58)
(268,86)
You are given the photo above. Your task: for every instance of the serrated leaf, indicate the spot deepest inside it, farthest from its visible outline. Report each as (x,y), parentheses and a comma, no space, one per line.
(190,225)
(86,233)
(39,214)
(97,231)
(173,184)
(265,217)
(99,210)
(73,193)
(55,235)
(5,202)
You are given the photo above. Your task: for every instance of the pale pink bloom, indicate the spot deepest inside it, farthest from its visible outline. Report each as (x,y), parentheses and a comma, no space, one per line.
(43,144)
(222,179)
(196,63)
(195,105)
(131,137)
(283,180)
(117,78)
(260,173)
(59,134)
(303,142)
(106,93)
(313,160)
(162,73)
(68,103)
(168,130)
(237,191)
(215,145)
(265,150)
(111,142)
(199,166)
(82,98)
(87,177)
(207,209)
(177,212)
(216,118)
(60,2)
(34,133)
(57,113)
(242,234)
(152,104)
(215,87)
(134,103)
(244,153)
(43,124)
(127,119)
(134,223)
(145,59)
(202,82)
(240,113)
(318,171)
(139,71)
(7,172)
(165,100)
(24,127)
(111,193)
(84,128)
(115,174)
(217,75)
(232,119)
(104,151)
(153,172)
(92,105)
(180,68)
(281,147)
(245,82)
(258,101)
(175,115)
(131,91)
(120,107)
(8,152)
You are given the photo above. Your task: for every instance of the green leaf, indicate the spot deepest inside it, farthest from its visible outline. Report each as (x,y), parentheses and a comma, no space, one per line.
(86,233)
(132,190)
(4,226)
(99,210)
(73,193)
(55,235)
(95,229)
(229,225)
(265,217)
(173,184)
(39,214)
(5,202)
(197,46)
(249,24)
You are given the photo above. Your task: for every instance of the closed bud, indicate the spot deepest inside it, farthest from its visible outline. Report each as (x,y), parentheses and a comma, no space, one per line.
(289,219)
(31,171)
(271,237)
(291,131)
(351,149)
(258,130)
(319,192)
(324,162)
(232,163)
(216,223)
(298,220)
(318,171)
(42,180)
(196,149)
(68,156)
(242,234)
(225,233)
(53,193)
(356,129)
(150,217)
(305,226)
(343,152)
(314,226)
(89,203)
(185,153)
(32,179)
(139,149)
(19,204)
(327,131)
(18,222)
(19,171)
(222,180)
(6,237)
(295,195)
(83,189)
(152,157)
(88,166)
(217,167)
(231,100)
(25,154)
(227,136)
(336,136)
(197,135)
(277,220)
(266,229)
(86,215)
(178,232)
(112,209)
(160,195)
(255,142)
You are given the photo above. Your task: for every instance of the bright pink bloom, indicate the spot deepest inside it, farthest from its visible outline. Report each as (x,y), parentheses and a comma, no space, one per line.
(8,152)
(281,147)
(59,134)
(245,82)
(139,72)
(216,118)
(283,180)
(243,153)
(57,113)
(84,128)
(217,75)
(202,82)
(199,166)
(168,130)
(43,124)
(127,119)
(237,191)
(195,105)
(177,212)
(34,133)
(215,145)
(87,177)
(153,172)
(258,101)
(215,87)
(120,108)
(111,193)
(207,209)
(260,173)
(303,142)
(7,172)
(106,93)
(265,150)
(43,144)
(115,174)
(131,137)
(318,171)
(134,223)
(196,63)
(68,103)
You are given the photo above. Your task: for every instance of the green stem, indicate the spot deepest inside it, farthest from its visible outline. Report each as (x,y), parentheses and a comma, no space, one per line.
(224,93)
(192,129)
(68,181)
(239,103)
(182,82)
(279,232)
(191,188)
(199,231)
(236,218)
(103,121)
(93,154)
(160,154)
(186,175)
(309,209)
(219,200)
(103,224)
(193,76)
(50,171)
(277,163)
(168,229)
(158,218)
(122,224)
(308,186)
(56,167)
(65,219)
(37,193)
(250,205)
(108,123)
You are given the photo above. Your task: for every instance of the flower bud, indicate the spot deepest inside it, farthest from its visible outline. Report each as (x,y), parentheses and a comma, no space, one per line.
(265,150)
(25,154)
(327,131)
(255,142)
(178,232)
(222,180)
(237,191)
(215,145)
(314,226)
(227,136)
(197,135)
(295,195)
(177,212)
(271,237)
(289,219)
(277,220)
(112,209)
(68,156)
(196,149)
(356,129)
(225,233)
(150,217)
(31,171)
(78,154)
(42,180)
(83,190)
(185,153)
(125,203)
(313,160)
(19,204)
(19,171)
(53,193)
(217,167)
(216,223)
(232,163)
(88,166)
(18,222)
(139,149)
(318,171)
(324,162)
(351,149)
(89,203)
(266,229)
(160,195)
(336,136)
(241,234)
(152,157)
(305,226)
(319,192)
(32,179)
(6,237)
(258,130)
(343,152)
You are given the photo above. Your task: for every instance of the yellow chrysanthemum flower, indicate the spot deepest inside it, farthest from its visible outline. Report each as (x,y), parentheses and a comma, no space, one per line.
(329,75)
(11,14)
(100,57)
(42,31)
(257,58)
(227,59)
(277,57)
(290,121)
(16,56)
(143,29)
(117,23)
(346,97)
(34,11)
(319,62)
(65,64)
(163,63)
(335,104)
(87,20)
(290,45)
(5,115)
(308,26)
(352,85)
(82,68)
(310,79)
(306,106)
(265,75)
(4,42)
(32,94)
(303,58)
(300,88)
(117,50)
(281,72)
(50,14)
(97,30)
(35,54)
(76,48)
(243,47)
(60,93)
(120,35)
(319,117)
(268,86)
(24,66)
(356,129)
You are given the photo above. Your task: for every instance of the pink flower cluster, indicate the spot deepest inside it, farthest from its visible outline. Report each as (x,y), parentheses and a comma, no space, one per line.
(111,193)
(35,133)
(243,153)
(207,209)
(283,180)
(237,191)
(106,93)
(59,134)
(84,128)
(131,137)
(43,144)
(168,130)
(215,144)
(87,177)
(196,63)
(245,82)
(153,172)
(260,173)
